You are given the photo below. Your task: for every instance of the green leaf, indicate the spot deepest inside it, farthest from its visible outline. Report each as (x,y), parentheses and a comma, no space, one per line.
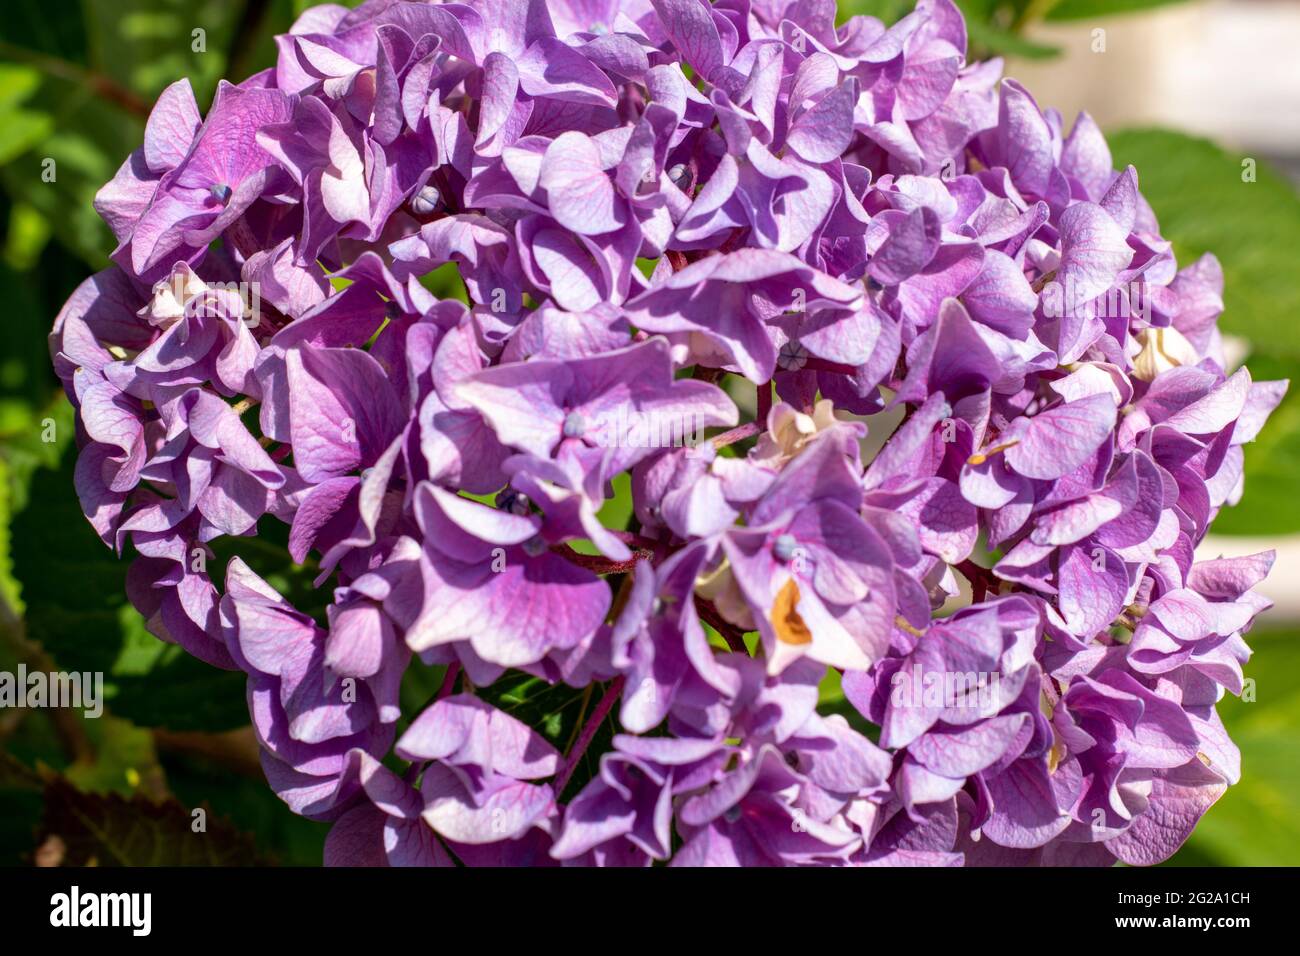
(1257,822)
(144,45)
(9,591)
(29,231)
(245,799)
(121,758)
(557,712)
(829,691)
(28,24)
(889,11)
(20,129)
(831,700)
(445,283)
(616,512)
(79,168)
(988,41)
(20,810)
(74,591)
(111,830)
(550,709)
(17,84)
(15,775)
(23,443)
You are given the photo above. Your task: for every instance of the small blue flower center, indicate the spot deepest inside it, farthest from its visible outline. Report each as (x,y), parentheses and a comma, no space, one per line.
(426,201)
(221,193)
(515,502)
(784,547)
(574,425)
(792,356)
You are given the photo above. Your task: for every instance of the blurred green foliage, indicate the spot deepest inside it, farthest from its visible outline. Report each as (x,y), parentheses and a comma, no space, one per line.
(75,87)
(1213,200)
(1256,822)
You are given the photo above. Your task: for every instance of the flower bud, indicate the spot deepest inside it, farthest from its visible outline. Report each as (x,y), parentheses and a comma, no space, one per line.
(1161,350)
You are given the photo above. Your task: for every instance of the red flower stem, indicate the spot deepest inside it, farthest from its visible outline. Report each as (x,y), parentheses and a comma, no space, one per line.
(730,633)
(601,564)
(732,240)
(982,580)
(633,540)
(449,680)
(96,83)
(588,732)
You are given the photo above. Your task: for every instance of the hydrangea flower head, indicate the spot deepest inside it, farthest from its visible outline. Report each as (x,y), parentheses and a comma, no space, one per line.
(898,381)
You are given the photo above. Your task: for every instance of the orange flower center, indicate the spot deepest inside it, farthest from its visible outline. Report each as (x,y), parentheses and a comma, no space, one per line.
(790,627)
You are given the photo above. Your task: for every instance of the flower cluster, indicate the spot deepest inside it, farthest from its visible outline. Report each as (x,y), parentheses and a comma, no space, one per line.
(993,420)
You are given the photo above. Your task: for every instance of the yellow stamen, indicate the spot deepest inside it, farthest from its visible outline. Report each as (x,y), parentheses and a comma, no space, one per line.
(1054,756)
(902,624)
(790,627)
(980,457)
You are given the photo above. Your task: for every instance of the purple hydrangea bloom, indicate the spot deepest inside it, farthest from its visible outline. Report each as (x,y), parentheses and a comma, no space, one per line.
(711,254)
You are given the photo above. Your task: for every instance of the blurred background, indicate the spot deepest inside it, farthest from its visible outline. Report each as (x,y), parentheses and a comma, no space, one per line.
(1186,91)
